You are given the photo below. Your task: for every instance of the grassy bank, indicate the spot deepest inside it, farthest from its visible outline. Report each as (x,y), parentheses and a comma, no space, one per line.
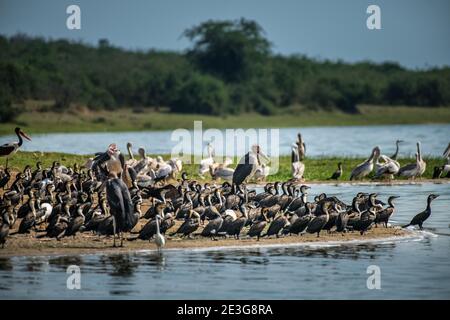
(83,120)
(317,169)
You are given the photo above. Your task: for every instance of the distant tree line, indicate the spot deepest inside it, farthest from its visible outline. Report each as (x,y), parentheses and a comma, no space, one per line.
(229,68)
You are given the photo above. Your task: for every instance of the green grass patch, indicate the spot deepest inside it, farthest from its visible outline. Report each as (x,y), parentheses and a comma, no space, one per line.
(126,120)
(317,169)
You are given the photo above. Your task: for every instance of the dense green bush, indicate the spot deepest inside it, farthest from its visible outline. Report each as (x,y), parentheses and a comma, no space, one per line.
(202,94)
(7,111)
(228,69)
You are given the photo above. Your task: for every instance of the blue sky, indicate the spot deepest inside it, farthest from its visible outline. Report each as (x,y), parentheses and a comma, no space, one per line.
(415,33)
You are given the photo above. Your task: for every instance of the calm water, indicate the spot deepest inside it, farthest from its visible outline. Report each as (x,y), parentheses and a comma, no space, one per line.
(328,141)
(416,269)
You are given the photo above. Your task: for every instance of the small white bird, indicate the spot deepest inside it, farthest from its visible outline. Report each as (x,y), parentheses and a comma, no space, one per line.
(159,238)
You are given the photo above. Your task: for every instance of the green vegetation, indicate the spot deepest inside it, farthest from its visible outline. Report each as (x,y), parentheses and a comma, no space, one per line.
(317,169)
(83,120)
(229,70)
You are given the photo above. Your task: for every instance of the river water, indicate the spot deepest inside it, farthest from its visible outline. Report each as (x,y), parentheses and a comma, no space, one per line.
(321,141)
(411,269)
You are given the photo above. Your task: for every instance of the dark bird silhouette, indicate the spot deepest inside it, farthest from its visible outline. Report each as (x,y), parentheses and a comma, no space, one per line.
(213,226)
(247,165)
(59,228)
(5,179)
(300,224)
(76,224)
(365,221)
(344,216)
(317,223)
(121,207)
(237,225)
(277,225)
(394,156)
(338,173)
(4,229)
(149,230)
(384,215)
(29,221)
(258,225)
(190,224)
(421,217)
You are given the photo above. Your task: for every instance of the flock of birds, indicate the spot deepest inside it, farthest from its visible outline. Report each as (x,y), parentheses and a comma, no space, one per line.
(254,165)
(106,196)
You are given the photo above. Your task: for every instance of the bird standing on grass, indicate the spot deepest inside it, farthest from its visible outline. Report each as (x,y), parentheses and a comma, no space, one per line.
(8,149)
(365,168)
(338,173)
(394,156)
(297,167)
(248,165)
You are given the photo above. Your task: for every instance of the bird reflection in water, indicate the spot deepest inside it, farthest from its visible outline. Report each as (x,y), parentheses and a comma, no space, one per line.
(156,260)
(65,261)
(122,265)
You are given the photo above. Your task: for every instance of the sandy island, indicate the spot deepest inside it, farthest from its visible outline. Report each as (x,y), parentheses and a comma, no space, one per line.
(88,243)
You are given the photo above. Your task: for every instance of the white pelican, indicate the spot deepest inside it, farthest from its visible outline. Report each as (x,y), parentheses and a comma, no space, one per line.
(207,162)
(363,169)
(131,161)
(221,171)
(388,167)
(444,170)
(164,169)
(8,149)
(177,166)
(410,170)
(422,163)
(144,164)
(297,167)
(262,172)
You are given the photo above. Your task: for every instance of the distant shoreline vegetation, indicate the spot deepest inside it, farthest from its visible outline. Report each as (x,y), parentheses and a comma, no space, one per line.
(229,69)
(81,119)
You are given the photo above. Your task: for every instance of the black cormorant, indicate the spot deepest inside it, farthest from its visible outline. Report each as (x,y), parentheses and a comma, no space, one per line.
(384,215)
(338,173)
(420,218)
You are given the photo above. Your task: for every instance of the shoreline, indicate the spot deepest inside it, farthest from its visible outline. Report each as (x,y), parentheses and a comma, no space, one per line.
(87,244)
(126,120)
